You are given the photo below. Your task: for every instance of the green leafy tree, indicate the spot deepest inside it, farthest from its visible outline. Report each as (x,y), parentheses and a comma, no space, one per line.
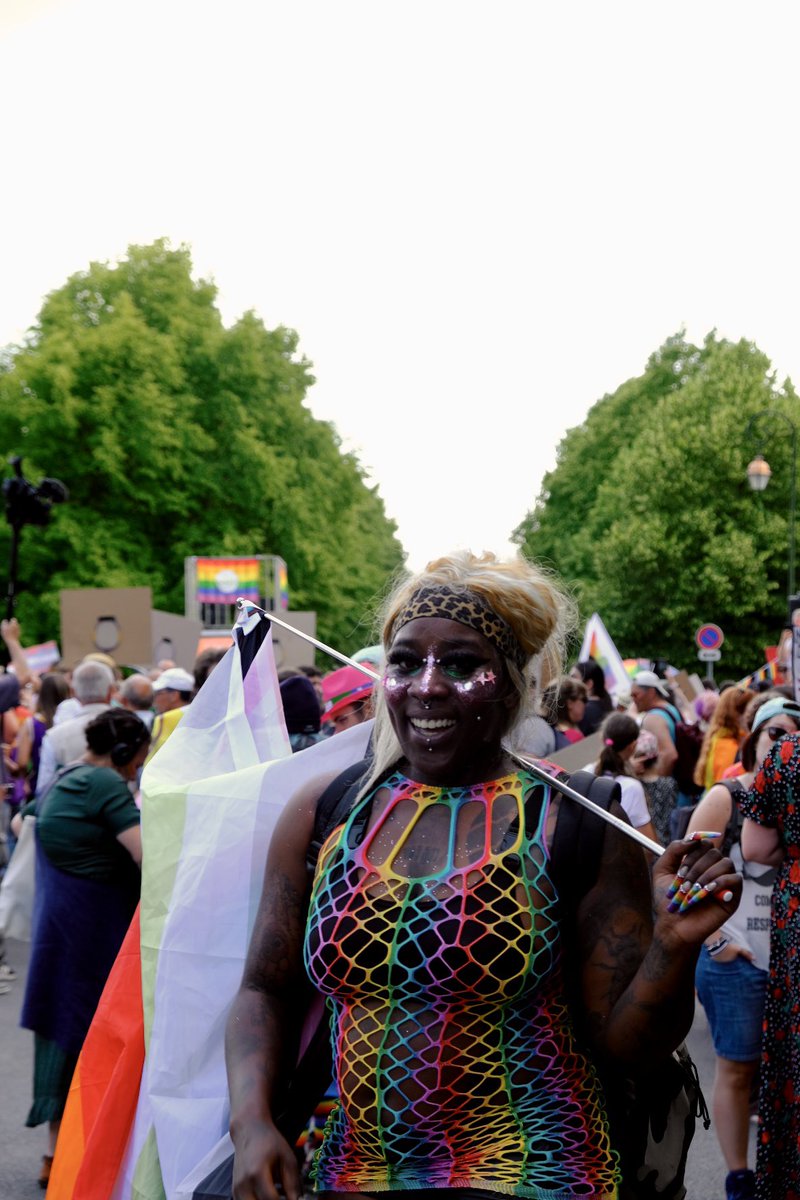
(649,516)
(177,436)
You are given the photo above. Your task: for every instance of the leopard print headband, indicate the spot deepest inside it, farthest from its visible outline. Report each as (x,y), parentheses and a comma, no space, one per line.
(467,608)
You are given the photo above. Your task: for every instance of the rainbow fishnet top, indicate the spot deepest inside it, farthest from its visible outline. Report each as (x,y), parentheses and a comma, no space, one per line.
(432,930)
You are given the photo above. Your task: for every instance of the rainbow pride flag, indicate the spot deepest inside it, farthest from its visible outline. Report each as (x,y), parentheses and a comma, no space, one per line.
(223,580)
(152,1128)
(104,1091)
(634,665)
(41,657)
(283,587)
(598,645)
(768,673)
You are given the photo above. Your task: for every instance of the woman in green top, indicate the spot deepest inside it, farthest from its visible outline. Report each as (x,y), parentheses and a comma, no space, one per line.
(87,887)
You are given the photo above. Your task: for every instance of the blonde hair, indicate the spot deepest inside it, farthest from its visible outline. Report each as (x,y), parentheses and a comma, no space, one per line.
(530,601)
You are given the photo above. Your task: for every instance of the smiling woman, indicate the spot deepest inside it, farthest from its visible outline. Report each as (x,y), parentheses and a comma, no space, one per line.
(466,1006)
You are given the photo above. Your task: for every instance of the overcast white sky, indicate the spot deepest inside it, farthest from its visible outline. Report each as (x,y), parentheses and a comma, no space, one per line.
(479,217)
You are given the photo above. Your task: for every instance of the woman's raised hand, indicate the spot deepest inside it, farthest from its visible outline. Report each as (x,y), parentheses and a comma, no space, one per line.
(695,890)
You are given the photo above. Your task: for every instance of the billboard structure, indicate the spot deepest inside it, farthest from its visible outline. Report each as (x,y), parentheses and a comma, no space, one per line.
(213,586)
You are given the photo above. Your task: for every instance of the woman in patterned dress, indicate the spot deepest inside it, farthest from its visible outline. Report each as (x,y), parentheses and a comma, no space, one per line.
(432,927)
(771,835)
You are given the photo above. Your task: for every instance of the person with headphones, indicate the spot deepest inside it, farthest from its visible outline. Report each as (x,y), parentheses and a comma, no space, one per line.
(88,856)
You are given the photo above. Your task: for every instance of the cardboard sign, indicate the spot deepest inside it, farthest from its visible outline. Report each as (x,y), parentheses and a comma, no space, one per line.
(697,684)
(174,637)
(683,680)
(115,621)
(580,754)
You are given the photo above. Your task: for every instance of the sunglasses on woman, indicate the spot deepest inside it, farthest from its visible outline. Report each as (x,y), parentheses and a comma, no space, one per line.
(774,732)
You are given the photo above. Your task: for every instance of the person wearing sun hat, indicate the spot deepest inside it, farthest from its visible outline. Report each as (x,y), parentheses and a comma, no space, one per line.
(348,698)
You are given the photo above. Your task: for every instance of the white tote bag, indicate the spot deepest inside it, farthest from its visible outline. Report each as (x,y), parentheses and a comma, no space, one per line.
(19,882)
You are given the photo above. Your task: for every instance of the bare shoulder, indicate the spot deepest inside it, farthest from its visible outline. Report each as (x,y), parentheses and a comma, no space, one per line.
(713,811)
(656,724)
(295,826)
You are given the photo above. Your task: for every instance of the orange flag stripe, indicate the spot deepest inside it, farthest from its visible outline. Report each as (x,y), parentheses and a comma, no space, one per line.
(102,1100)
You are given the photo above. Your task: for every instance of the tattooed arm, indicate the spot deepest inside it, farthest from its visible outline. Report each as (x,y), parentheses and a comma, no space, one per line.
(261,1034)
(637,981)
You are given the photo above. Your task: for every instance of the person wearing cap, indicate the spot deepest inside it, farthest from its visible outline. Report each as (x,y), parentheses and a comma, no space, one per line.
(733,967)
(172,693)
(348,698)
(651,697)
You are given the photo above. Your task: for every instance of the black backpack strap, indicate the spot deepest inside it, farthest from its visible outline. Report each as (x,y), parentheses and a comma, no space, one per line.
(333,806)
(578,839)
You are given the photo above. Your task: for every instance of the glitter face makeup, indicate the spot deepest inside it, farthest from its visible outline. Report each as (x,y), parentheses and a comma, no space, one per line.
(448,697)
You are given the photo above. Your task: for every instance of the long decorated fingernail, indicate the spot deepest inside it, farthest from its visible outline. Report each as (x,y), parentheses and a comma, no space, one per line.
(727,897)
(674,887)
(702,835)
(701,893)
(697,894)
(687,896)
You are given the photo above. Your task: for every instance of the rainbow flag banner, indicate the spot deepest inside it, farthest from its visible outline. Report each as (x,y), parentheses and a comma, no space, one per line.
(211,797)
(598,645)
(768,673)
(223,580)
(634,665)
(105,1087)
(40,658)
(283,586)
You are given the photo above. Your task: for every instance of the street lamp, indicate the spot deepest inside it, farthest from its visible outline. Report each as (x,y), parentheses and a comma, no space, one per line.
(759,473)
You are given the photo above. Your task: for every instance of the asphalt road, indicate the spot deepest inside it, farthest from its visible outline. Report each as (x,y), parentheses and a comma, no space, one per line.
(21,1149)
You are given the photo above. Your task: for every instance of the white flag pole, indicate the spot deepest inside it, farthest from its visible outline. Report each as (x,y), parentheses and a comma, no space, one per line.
(617,822)
(247,606)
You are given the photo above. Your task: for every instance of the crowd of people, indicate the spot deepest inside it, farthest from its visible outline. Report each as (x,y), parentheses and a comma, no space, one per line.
(432,907)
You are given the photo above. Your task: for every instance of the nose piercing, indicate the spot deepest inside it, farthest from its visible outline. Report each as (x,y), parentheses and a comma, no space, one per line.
(426,703)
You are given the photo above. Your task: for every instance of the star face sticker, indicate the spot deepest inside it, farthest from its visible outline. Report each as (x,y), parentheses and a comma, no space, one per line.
(486,677)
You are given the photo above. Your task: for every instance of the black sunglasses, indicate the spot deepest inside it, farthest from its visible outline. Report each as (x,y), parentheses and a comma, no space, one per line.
(774,732)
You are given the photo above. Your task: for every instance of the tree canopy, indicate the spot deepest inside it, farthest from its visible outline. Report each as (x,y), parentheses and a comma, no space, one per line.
(648,514)
(178,436)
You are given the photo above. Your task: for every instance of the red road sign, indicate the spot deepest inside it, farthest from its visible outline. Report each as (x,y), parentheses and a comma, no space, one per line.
(709,637)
